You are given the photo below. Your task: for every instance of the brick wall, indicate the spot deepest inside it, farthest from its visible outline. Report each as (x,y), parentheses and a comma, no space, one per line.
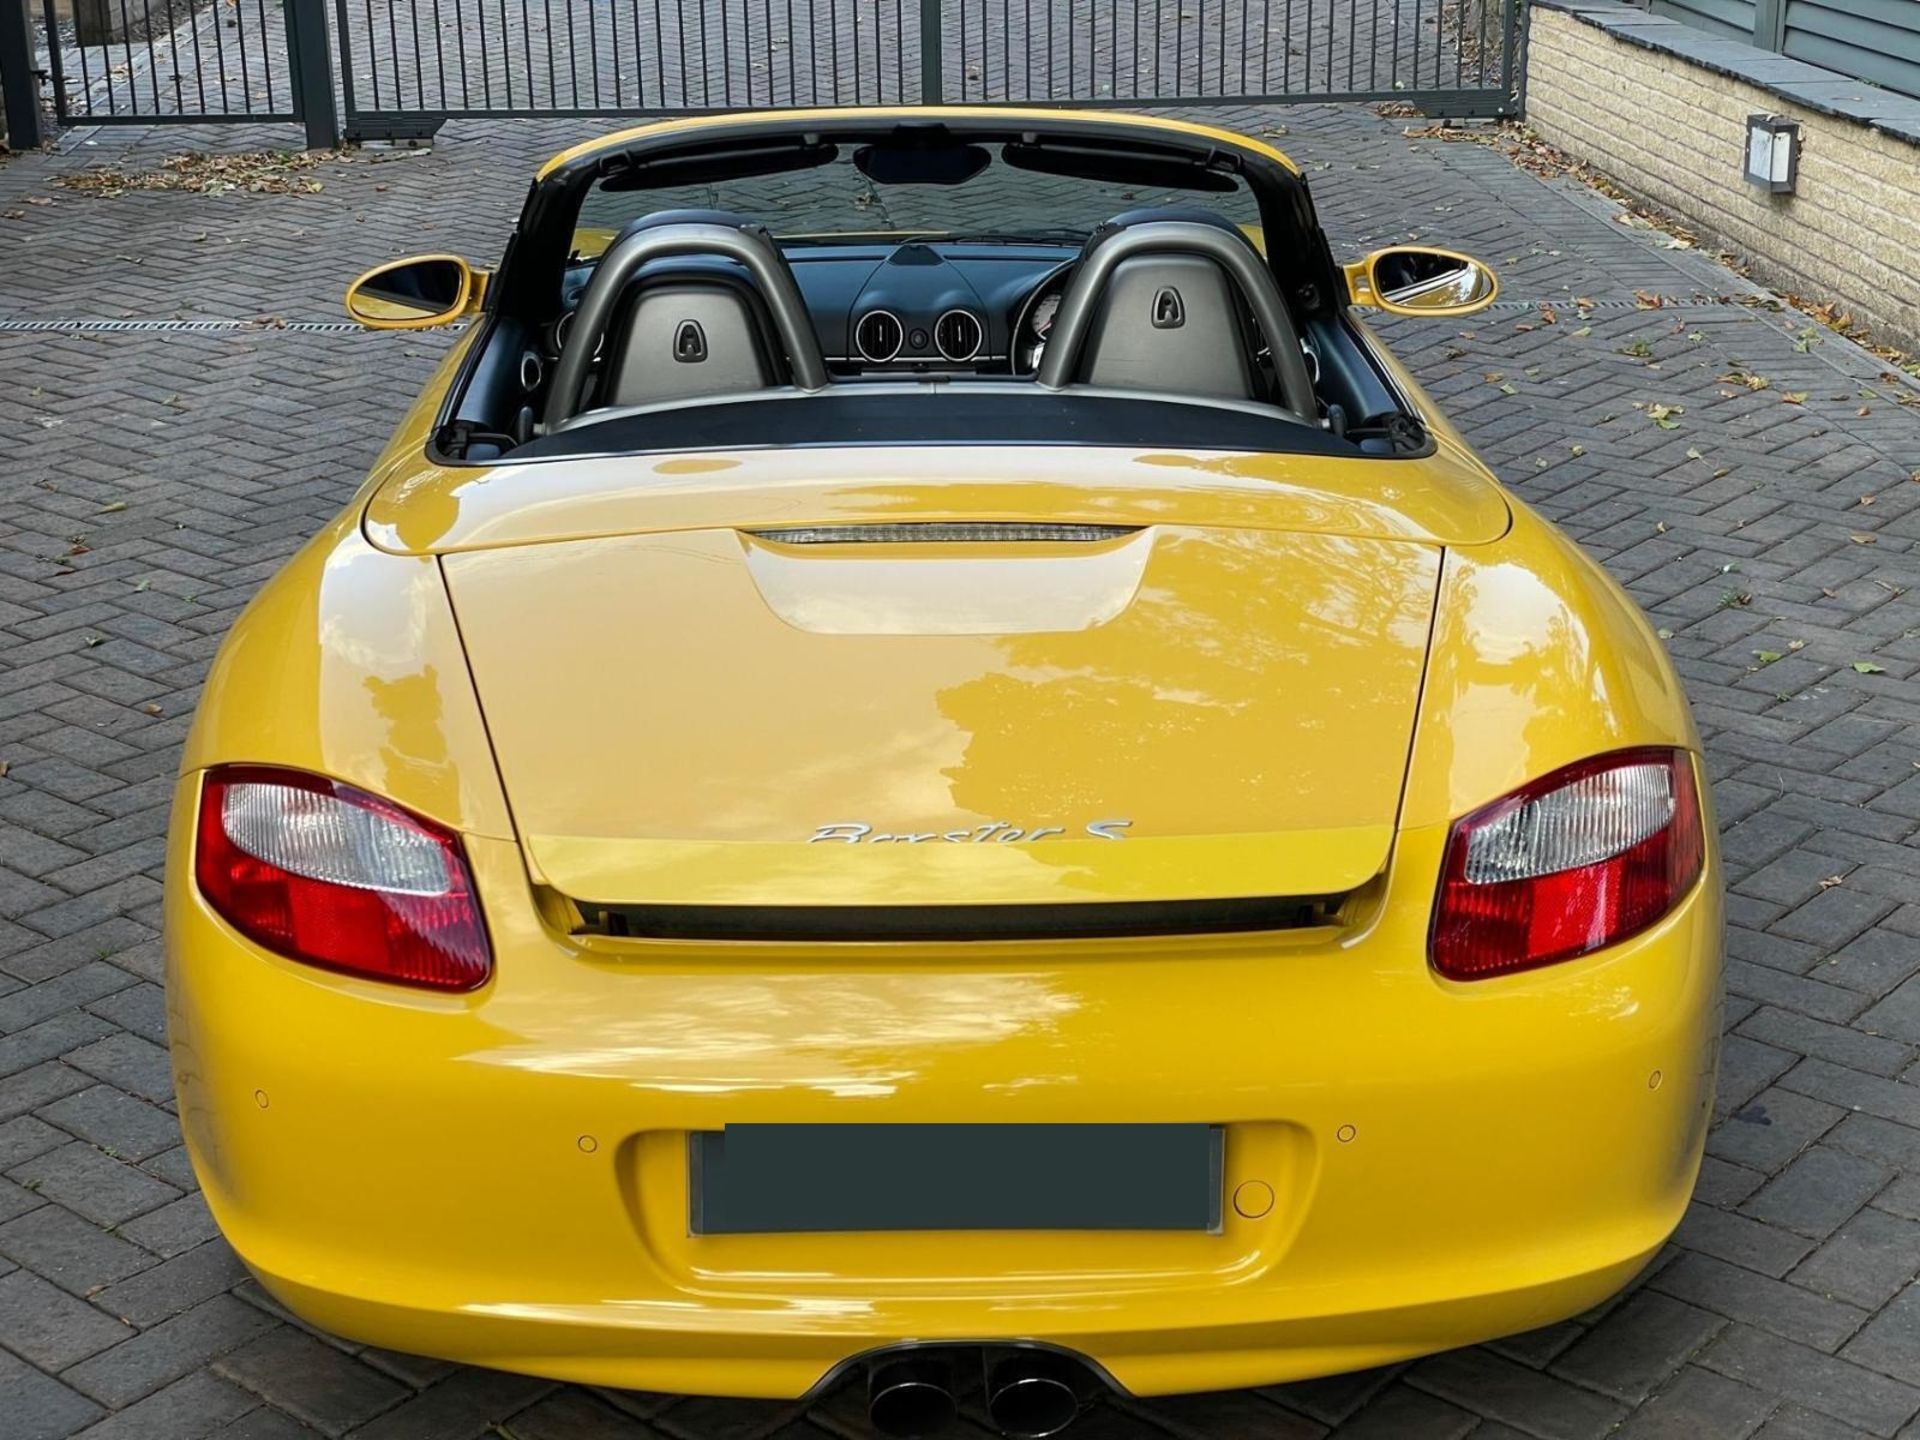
(1674,134)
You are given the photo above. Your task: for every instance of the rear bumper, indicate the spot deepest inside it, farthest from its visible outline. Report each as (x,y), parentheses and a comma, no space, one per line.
(501,1178)
(728,1355)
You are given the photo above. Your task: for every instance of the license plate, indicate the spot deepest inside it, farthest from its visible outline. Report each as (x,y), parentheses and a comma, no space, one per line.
(770,1179)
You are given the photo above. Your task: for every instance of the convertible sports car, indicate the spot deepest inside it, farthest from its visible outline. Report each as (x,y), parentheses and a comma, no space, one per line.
(922,759)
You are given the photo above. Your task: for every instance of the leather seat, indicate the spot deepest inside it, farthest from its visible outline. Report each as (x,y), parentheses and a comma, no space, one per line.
(1179,302)
(1169,323)
(688,327)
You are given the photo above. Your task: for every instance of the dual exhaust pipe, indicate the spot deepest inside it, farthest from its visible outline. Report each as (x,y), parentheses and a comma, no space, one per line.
(1028,1393)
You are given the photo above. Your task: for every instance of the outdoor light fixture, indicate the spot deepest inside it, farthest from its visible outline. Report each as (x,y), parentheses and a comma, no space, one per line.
(1773,152)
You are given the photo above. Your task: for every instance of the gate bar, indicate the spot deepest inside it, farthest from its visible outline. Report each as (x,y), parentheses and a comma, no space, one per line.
(17,78)
(310,67)
(932,37)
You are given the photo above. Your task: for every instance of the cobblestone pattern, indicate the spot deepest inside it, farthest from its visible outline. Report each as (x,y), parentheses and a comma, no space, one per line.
(151,481)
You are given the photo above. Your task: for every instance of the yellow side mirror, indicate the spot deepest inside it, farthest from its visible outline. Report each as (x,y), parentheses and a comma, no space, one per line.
(417,293)
(1420,280)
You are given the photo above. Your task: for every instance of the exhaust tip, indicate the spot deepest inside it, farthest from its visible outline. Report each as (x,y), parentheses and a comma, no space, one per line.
(1032,1394)
(910,1397)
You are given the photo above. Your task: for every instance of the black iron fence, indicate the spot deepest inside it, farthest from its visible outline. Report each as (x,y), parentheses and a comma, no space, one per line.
(1454,56)
(618,57)
(134,61)
(397,67)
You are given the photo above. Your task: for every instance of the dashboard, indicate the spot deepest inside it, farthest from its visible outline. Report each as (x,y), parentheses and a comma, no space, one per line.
(974,307)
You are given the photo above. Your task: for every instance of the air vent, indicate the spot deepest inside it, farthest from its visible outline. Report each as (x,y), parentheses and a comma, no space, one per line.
(941,532)
(958,335)
(879,335)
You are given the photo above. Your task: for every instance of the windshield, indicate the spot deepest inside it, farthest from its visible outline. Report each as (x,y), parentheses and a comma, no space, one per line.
(840,201)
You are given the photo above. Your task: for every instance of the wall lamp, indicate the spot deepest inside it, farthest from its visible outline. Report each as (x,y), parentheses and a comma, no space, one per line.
(1773,152)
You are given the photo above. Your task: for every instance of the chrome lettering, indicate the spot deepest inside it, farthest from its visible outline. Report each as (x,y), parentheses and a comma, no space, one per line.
(1000,832)
(851,831)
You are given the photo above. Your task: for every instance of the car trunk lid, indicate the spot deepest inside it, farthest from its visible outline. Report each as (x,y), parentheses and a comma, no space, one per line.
(892,715)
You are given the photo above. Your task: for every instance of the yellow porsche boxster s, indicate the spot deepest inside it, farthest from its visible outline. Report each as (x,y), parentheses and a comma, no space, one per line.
(923,760)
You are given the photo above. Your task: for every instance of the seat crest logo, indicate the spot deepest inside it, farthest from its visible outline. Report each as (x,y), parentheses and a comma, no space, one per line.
(690,343)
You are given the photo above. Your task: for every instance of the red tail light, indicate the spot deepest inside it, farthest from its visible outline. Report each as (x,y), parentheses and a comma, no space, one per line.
(1583,858)
(320,872)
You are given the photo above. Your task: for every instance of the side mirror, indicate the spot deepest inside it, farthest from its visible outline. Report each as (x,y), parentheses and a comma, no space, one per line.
(415,294)
(1418,280)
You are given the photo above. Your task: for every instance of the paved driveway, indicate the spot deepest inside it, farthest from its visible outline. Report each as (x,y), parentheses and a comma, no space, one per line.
(151,478)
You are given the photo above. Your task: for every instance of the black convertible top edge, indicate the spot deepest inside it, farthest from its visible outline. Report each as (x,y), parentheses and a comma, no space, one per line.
(946,416)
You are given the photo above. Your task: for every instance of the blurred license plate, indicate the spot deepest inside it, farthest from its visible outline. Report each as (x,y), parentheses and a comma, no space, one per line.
(766,1179)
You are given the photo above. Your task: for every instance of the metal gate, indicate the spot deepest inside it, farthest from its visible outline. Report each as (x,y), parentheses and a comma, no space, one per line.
(392,68)
(138,62)
(428,59)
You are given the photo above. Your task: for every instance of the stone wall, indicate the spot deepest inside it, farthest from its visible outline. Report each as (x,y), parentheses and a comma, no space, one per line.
(1671,130)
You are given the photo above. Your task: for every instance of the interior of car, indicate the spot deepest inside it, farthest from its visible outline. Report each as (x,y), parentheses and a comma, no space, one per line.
(925,289)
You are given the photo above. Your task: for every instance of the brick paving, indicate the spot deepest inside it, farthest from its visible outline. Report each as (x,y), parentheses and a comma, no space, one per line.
(151,480)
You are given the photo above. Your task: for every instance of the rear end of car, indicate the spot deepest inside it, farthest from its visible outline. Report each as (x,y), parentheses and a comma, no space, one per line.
(1219,952)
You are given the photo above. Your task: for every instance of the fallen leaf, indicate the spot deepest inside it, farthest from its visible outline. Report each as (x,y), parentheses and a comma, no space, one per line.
(1867,667)
(1860,537)
(1832,880)
(1794,397)
(1586,330)
(1662,415)
(112,505)
(1767,657)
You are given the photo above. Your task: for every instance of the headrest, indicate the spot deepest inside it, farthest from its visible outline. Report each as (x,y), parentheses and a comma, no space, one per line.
(1150,214)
